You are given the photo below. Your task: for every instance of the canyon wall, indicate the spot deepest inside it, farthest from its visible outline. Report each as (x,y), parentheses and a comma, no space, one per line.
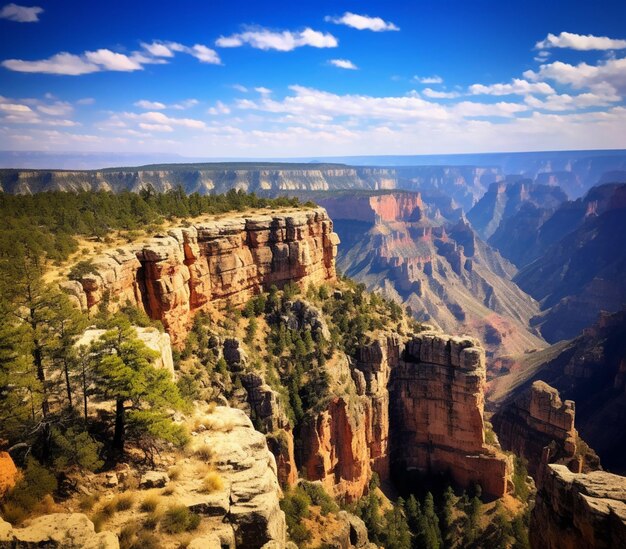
(539,427)
(220,262)
(437,422)
(266,178)
(579,511)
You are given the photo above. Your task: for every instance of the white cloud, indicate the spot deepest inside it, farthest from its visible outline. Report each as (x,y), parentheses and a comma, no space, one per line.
(428,79)
(363,22)
(219,108)
(434,94)
(155,127)
(265,39)
(107,60)
(150,105)
(581,42)
(86,101)
(611,72)
(502,109)
(61,63)
(566,102)
(205,54)
(153,117)
(262,90)
(516,87)
(21,14)
(58,108)
(112,61)
(343,64)
(162,49)
(185,104)
(240,88)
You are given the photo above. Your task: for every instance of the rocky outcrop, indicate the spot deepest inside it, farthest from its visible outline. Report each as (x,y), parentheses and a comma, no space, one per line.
(215,263)
(579,511)
(437,424)
(58,530)
(153,339)
(8,473)
(248,502)
(539,427)
(588,370)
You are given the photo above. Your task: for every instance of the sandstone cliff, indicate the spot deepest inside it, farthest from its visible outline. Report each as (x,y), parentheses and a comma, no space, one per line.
(579,511)
(437,403)
(173,276)
(539,427)
(588,370)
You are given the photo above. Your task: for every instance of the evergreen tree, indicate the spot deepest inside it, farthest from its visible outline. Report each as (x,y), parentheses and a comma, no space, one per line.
(397,534)
(447,519)
(124,370)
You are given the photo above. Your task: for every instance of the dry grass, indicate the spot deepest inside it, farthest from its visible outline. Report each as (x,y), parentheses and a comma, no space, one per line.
(212,482)
(204,452)
(174,472)
(87,502)
(167,491)
(150,503)
(124,502)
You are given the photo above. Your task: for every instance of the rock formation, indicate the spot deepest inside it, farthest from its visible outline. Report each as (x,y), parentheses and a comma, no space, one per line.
(220,262)
(8,473)
(539,427)
(248,503)
(588,370)
(437,425)
(579,511)
(58,530)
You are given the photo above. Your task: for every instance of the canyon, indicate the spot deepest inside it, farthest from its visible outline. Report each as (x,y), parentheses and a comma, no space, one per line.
(370,423)
(440,269)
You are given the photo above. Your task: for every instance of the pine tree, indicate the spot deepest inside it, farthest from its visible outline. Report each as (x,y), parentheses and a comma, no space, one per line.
(123,366)
(397,534)
(447,526)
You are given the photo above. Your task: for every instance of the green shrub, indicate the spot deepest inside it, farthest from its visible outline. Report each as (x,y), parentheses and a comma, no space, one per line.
(179,519)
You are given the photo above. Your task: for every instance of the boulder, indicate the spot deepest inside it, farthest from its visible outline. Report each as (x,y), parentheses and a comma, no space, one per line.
(154,479)
(57,530)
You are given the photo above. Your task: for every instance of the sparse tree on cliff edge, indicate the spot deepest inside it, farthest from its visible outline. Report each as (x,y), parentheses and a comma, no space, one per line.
(142,393)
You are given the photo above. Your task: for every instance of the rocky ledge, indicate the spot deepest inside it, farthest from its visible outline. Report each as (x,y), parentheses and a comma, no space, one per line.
(539,427)
(579,511)
(437,405)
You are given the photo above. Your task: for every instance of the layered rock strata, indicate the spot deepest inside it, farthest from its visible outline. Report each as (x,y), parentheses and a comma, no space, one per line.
(248,503)
(539,427)
(437,403)
(220,262)
(579,511)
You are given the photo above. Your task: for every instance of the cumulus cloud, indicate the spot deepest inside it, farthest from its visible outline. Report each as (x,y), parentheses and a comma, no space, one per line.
(153,117)
(36,112)
(185,104)
(343,64)
(428,79)
(516,87)
(566,102)
(610,72)
(150,105)
(581,42)
(265,39)
(219,108)
(205,54)
(262,90)
(107,60)
(61,63)
(434,94)
(21,14)
(363,22)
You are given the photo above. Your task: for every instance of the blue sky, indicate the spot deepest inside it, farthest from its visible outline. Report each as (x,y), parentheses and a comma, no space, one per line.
(286,79)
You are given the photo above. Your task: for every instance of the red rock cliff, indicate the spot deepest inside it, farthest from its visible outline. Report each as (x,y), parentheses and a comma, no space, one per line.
(224,261)
(539,427)
(579,511)
(437,402)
